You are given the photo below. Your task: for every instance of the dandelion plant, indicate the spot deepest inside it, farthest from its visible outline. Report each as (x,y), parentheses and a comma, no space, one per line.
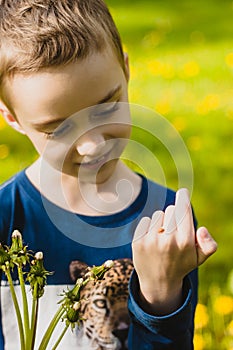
(31,270)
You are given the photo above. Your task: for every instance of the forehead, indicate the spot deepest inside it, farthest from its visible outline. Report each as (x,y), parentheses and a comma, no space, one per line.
(66,89)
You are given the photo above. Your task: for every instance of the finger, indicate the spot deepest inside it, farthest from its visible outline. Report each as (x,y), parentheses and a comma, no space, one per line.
(156,221)
(206,245)
(142,228)
(169,221)
(183,212)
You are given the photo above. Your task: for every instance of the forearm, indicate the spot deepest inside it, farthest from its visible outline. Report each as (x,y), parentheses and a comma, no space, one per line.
(150,331)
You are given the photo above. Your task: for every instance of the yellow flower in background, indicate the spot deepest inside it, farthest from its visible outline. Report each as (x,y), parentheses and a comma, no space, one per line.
(133,72)
(201,316)
(135,95)
(2,122)
(179,123)
(163,107)
(155,67)
(191,69)
(209,103)
(223,305)
(4,151)
(199,342)
(158,68)
(125,48)
(229,59)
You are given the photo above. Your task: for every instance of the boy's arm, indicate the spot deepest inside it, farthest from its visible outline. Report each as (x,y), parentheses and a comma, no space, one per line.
(172,331)
(162,258)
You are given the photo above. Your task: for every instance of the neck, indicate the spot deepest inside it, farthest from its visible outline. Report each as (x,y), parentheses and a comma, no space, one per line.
(68,192)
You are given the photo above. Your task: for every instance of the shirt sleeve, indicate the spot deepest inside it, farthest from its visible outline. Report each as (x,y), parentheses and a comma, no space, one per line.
(170,332)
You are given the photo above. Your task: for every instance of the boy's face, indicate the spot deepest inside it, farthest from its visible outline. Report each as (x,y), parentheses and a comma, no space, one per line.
(54,109)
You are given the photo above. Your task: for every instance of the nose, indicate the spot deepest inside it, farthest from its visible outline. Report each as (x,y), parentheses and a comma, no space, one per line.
(90,144)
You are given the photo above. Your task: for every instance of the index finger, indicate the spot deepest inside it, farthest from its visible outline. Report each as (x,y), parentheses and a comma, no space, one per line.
(142,228)
(183,211)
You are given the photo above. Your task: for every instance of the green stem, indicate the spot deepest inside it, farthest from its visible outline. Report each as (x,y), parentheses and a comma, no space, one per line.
(60,338)
(51,328)
(25,305)
(34,316)
(17,309)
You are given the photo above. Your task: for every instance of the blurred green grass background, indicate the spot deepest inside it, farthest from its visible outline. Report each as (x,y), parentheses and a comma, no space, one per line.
(181,59)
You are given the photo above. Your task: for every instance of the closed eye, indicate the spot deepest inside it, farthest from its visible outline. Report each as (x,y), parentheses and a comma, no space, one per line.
(61,130)
(105,110)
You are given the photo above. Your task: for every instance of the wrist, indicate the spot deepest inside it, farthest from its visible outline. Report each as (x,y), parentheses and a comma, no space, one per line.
(162,299)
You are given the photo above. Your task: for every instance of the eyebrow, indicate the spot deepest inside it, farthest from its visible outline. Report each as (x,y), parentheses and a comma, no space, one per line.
(49,123)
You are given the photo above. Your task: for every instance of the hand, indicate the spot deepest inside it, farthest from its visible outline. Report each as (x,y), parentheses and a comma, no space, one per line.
(162,260)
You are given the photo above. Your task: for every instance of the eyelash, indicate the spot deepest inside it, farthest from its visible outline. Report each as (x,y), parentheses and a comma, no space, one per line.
(59,130)
(103,114)
(48,135)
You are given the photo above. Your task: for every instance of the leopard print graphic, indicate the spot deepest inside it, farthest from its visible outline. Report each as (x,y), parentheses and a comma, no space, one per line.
(104,307)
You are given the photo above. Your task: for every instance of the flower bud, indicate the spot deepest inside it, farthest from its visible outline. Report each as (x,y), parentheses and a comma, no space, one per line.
(37,276)
(39,256)
(76,305)
(4,256)
(18,252)
(17,241)
(108,264)
(72,315)
(79,281)
(16,234)
(97,272)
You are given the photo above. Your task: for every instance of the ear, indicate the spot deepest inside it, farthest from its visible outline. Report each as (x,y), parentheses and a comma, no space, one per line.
(10,119)
(77,269)
(126,61)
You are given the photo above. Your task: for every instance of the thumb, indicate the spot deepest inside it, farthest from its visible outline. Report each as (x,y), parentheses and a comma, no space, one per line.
(206,245)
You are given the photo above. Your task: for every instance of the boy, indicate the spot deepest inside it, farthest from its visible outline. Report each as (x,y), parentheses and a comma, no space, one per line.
(63,83)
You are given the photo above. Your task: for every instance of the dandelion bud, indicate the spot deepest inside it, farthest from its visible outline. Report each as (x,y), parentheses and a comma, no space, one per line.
(39,256)
(17,242)
(72,315)
(16,234)
(37,276)
(79,281)
(97,272)
(4,257)
(77,305)
(108,264)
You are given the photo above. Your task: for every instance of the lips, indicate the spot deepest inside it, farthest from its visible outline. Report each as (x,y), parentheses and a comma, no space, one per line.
(96,162)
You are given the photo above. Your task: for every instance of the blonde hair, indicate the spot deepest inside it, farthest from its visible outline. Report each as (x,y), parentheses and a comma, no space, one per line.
(36,34)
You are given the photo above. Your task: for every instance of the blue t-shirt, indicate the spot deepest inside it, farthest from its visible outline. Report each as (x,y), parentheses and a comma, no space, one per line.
(64,236)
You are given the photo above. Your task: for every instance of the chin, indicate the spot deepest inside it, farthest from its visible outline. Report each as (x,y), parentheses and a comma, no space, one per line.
(100,176)
(106,171)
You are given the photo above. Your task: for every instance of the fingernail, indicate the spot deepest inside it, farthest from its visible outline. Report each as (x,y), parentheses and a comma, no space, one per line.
(205,234)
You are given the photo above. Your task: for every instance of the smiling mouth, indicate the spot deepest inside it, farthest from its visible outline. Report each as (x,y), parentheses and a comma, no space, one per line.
(96,162)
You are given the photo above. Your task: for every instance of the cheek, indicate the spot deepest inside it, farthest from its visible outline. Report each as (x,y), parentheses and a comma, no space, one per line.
(120,131)
(38,141)
(54,153)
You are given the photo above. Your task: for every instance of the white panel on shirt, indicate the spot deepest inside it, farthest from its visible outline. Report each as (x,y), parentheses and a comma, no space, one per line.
(47,308)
